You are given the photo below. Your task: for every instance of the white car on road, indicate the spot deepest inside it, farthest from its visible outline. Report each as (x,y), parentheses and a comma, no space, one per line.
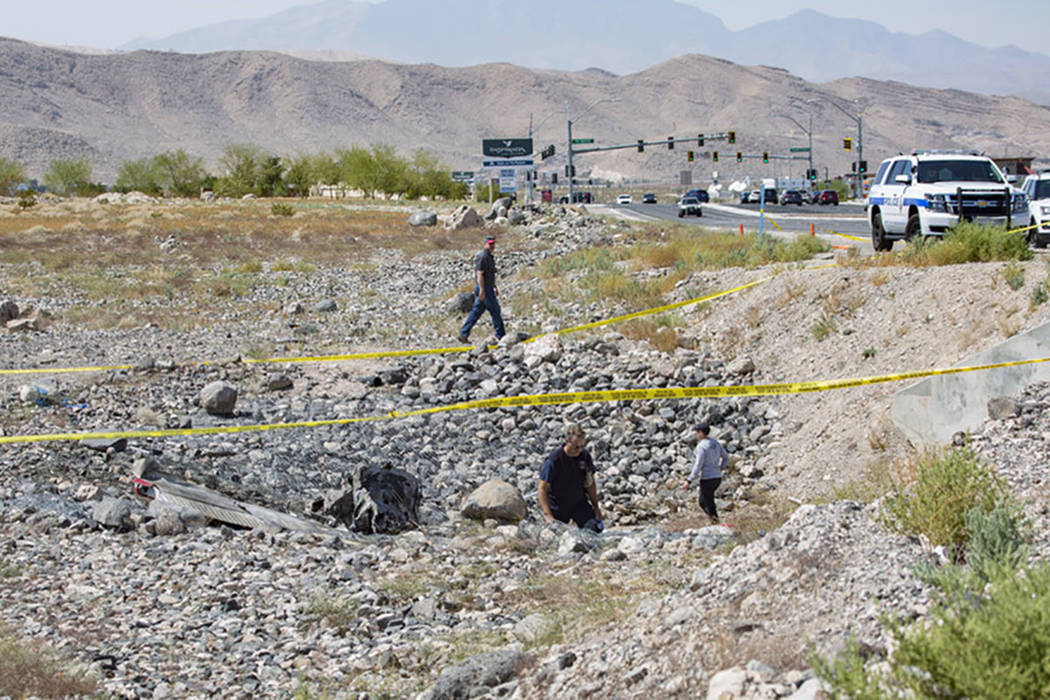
(624,199)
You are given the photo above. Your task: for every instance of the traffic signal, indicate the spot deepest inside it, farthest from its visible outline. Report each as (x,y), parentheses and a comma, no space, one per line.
(863,166)
(641,145)
(670,143)
(699,139)
(714,156)
(732,137)
(812,174)
(847,143)
(765,156)
(689,156)
(570,171)
(554,178)
(739,157)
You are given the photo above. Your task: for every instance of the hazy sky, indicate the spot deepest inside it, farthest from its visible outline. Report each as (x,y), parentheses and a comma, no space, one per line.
(111,23)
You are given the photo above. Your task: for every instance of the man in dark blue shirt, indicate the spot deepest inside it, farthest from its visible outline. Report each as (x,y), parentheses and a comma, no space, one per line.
(486,296)
(567,490)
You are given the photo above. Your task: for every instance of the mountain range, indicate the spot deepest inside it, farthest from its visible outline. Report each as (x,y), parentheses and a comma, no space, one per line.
(623,37)
(117,107)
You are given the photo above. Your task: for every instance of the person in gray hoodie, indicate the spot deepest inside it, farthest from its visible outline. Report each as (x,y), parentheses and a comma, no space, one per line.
(711,459)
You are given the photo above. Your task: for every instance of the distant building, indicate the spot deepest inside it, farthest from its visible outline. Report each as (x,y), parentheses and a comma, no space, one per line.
(1014,167)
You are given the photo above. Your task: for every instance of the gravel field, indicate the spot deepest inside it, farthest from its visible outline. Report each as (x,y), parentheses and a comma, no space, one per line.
(659,604)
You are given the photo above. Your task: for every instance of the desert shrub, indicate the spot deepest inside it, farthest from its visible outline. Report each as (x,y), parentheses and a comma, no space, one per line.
(998,540)
(26,199)
(282,209)
(824,327)
(30,670)
(989,643)
(1013,274)
(964,243)
(945,486)
(1041,292)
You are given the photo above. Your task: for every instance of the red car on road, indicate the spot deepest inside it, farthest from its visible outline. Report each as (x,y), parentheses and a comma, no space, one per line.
(827,197)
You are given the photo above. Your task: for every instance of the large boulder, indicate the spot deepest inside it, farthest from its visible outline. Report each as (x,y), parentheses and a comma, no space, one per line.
(478,674)
(8,311)
(464,217)
(423,218)
(494,499)
(380,499)
(112,513)
(219,398)
(546,348)
(460,304)
(499,208)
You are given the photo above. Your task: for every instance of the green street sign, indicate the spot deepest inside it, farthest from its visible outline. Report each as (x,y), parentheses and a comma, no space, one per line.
(583,141)
(804,149)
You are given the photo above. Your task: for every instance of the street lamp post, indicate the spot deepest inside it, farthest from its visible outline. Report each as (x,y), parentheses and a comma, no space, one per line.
(809,133)
(531,177)
(857,189)
(571,174)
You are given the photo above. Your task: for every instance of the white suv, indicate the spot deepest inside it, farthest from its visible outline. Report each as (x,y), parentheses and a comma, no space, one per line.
(1037,187)
(928,192)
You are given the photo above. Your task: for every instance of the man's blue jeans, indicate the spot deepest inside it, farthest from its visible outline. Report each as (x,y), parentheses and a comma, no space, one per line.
(491,303)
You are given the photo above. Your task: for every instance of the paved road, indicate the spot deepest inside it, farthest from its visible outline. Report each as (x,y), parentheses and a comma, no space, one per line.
(829,221)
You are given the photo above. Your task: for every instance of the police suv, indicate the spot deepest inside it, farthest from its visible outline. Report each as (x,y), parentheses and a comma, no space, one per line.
(1037,187)
(927,192)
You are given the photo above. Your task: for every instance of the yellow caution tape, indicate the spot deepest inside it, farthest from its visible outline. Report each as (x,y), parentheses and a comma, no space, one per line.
(404,353)
(1026,228)
(762,212)
(546,400)
(844,235)
(650,312)
(361,355)
(182,432)
(60,370)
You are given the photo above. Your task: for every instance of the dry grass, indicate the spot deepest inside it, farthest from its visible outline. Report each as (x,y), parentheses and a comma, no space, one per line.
(29,669)
(220,253)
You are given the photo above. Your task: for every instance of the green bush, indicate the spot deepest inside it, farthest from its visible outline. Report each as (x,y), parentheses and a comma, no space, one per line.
(1013,273)
(26,199)
(997,549)
(992,644)
(282,209)
(1042,290)
(946,486)
(964,243)
(998,540)
(988,635)
(12,174)
(824,327)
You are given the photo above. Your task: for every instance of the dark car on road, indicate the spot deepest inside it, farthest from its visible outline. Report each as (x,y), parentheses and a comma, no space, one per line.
(577,198)
(827,197)
(791,197)
(648,198)
(699,194)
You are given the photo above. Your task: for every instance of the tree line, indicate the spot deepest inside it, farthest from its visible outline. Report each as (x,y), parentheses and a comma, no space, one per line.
(245,169)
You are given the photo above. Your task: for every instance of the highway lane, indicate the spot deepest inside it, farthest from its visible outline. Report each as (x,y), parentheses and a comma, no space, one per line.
(832,223)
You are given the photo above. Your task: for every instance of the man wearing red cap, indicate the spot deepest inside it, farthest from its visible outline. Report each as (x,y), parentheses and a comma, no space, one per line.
(486,296)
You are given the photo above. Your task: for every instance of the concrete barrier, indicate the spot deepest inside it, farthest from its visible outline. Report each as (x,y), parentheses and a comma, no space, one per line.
(934,409)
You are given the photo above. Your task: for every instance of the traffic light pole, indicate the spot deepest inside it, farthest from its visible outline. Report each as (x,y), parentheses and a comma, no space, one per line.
(641,143)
